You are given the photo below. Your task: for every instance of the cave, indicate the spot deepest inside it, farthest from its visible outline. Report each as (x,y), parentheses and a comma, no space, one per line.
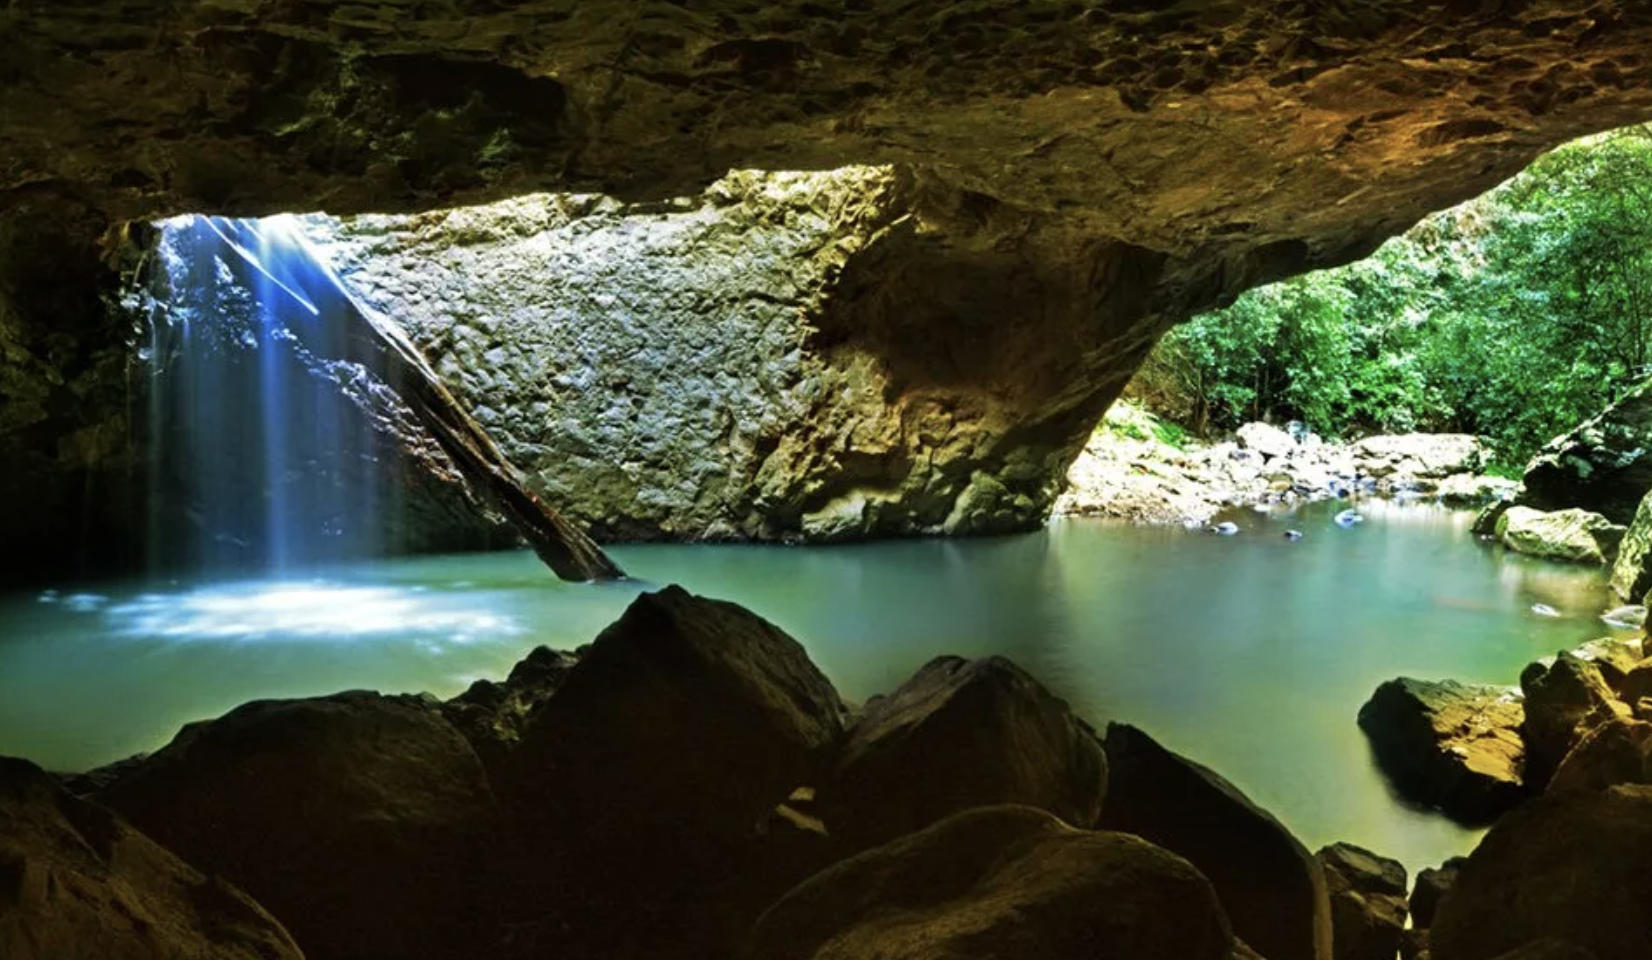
(702,276)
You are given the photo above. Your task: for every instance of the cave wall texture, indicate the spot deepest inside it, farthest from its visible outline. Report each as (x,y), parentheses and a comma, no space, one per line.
(1069,178)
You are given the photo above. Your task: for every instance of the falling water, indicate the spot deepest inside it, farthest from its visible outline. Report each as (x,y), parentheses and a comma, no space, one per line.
(269,449)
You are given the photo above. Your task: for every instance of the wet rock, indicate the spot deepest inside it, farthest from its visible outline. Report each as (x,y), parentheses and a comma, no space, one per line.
(1431,887)
(1449,745)
(1432,456)
(337,813)
(1001,882)
(493,715)
(1569,866)
(1368,905)
(1564,700)
(1627,617)
(652,776)
(961,734)
(1603,465)
(1271,888)
(79,883)
(1573,535)
(1616,751)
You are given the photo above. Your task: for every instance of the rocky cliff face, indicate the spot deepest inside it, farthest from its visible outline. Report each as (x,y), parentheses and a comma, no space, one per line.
(1079,174)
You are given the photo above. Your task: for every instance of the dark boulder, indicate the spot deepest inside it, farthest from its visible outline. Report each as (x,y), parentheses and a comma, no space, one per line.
(1564,700)
(1272,889)
(644,791)
(1548,948)
(78,883)
(1431,887)
(1009,882)
(1448,745)
(1572,866)
(1614,752)
(961,734)
(364,822)
(1368,904)
(1637,683)
(1603,465)
(493,715)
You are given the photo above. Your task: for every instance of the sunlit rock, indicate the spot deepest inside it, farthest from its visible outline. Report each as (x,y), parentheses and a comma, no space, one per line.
(1005,882)
(1267,440)
(1449,745)
(1570,866)
(1564,700)
(1420,456)
(1271,888)
(1616,751)
(79,883)
(1573,535)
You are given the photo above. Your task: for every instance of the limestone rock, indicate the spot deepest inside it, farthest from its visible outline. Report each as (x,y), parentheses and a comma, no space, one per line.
(1272,889)
(1449,745)
(1613,658)
(1564,700)
(1569,866)
(962,734)
(1602,465)
(646,779)
(1368,905)
(1574,535)
(1471,489)
(1267,440)
(493,716)
(1002,882)
(1632,571)
(1422,456)
(78,883)
(1616,751)
(1433,883)
(1485,522)
(336,813)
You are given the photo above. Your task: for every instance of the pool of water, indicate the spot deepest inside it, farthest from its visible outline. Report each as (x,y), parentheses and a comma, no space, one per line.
(1250,653)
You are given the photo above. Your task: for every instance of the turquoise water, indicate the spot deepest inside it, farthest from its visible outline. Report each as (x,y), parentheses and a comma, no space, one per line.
(1249,653)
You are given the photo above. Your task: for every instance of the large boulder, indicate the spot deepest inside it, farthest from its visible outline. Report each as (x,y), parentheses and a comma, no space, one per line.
(1565,699)
(1267,440)
(1009,882)
(962,734)
(493,715)
(364,822)
(1614,752)
(1573,535)
(1570,865)
(1473,489)
(1632,571)
(1603,465)
(1449,745)
(1421,456)
(639,788)
(1433,883)
(1272,889)
(1368,904)
(78,883)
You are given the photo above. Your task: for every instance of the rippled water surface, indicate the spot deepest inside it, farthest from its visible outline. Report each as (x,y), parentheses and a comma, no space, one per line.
(1249,653)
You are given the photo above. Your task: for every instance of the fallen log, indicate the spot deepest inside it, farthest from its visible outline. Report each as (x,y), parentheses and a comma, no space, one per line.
(260,254)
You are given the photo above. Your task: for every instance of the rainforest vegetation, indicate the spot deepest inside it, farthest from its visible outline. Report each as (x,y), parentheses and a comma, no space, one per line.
(1513,316)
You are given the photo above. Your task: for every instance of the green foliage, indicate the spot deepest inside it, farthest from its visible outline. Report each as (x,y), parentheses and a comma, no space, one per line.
(1514,316)
(1131,420)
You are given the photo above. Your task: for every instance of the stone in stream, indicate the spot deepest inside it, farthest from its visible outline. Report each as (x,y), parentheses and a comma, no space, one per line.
(1449,745)
(338,813)
(79,883)
(1272,889)
(1004,881)
(1572,535)
(1572,866)
(1564,700)
(654,774)
(961,734)
(1368,905)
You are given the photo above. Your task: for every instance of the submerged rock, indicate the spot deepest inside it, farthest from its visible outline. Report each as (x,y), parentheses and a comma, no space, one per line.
(78,883)
(1272,889)
(960,734)
(364,822)
(1573,535)
(1564,700)
(1008,882)
(1570,866)
(1449,745)
(1368,905)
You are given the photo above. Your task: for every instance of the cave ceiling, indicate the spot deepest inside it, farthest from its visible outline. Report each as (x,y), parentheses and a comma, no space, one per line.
(1308,129)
